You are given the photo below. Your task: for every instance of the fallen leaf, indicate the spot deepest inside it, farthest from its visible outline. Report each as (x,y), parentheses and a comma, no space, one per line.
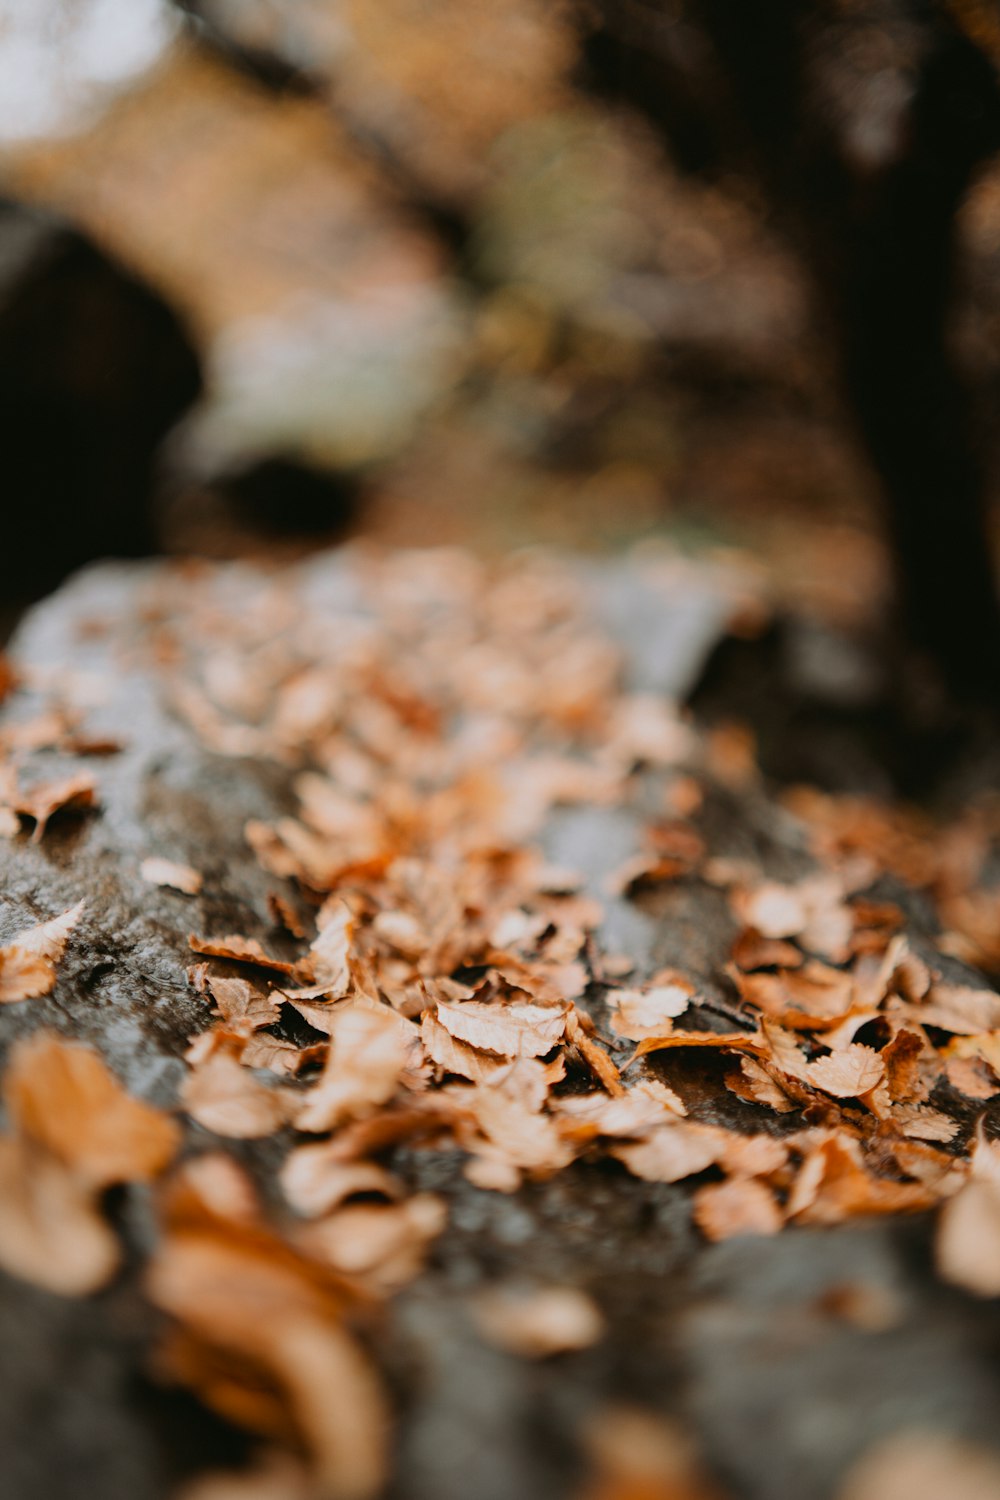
(723,1210)
(51,1230)
(182,878)
(537,1322)
(224,1097)
(638,1014)
(241,950)
(922,1465)
(261,1337)
(62,1095)
(512,1029)
(369,1050)
(73,794)
(384,1245)
(28,963)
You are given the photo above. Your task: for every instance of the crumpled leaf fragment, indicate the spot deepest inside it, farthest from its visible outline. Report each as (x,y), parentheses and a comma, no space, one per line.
(28,962)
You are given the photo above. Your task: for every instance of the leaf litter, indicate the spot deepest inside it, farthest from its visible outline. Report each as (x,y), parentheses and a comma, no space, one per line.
(453,993)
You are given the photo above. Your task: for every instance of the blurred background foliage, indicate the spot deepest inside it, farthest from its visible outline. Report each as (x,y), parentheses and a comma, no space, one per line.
(433,286)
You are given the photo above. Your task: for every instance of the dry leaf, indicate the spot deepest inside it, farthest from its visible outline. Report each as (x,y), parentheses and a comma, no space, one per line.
(73,794)
(314,1182)
(921,1465)
(538,1322)
(261,1338)
(28,963)
(723,1210)
(241,950)
(62,1095)
(369,1051)
(182,878)
(639,1014)
(224,1097)
(454,1056)
(670,1152)
(382,1244)
(51,1231)
(512,1029)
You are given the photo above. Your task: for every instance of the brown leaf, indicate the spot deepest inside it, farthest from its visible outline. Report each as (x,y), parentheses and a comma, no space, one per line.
(847,1073)
(241,950)
(369,1050)
(314,1182)
(224,1097)
(512,1029)
(51,1231)
(28,963)
(737,1041)
(752,950)
(919,1465)
(62,1096)
(723,1210)
(639,1014)
(758,1083)
(639,1110)
(382,1244)
(958,1008)
(72,794)
(261,1338)
(243,1006)
(330,952)
(670,1152)
(597,1060)
(973,1077)
(457,1057)
(834,1184)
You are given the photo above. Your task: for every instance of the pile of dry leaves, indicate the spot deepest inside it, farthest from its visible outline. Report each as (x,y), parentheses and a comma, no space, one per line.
(437,982)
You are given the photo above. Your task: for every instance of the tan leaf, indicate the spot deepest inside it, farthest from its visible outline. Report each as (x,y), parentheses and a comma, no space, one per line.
(639,1014)
(920,1465)
(74,793)
(670,1152)
(457,1057)
(63,1096)
(314,1182)
(329,953)
(382,1244)
(593,1054)
(262,1341)
(182,878)
(958,1008)
(241,950)
(28,963)
(756,1082)
(224,1097)
(369,1050)
(723,1210)
(641,1109)
(537,1322)
(512,1029)
(51,1231)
